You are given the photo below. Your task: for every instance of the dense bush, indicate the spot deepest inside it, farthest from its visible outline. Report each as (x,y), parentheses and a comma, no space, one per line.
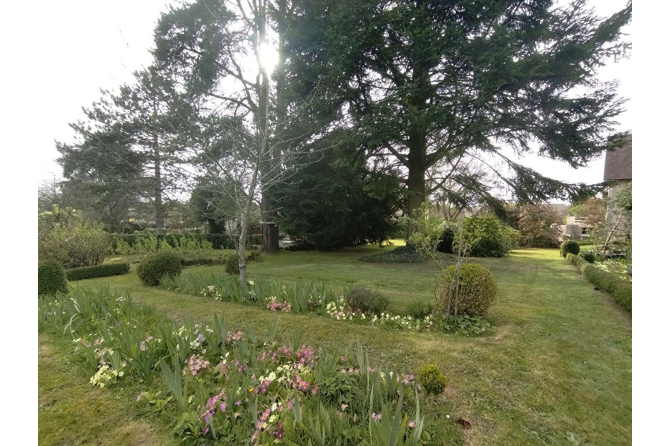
(336,200)
(589,257)
(65,238)
(402,254)
(366,301)
(418,309)
(620,289)
(233,264)
(90,272)
(570,247)
(446,241)
(50,279)
(488,237)
(539,226)
(431,379)
(144,243)
(477,290)
(153,269)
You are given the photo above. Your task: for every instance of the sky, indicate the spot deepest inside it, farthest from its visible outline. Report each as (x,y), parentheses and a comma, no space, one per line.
(90,46)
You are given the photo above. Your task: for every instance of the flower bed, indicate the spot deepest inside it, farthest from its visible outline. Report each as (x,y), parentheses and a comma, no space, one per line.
(300,297)
(227,386)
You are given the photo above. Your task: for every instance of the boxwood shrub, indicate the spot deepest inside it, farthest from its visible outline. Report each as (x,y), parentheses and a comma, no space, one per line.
(570,247)
(91,272)
(477,290)
(50,279)
(366,300)
(154,268)
(620,289)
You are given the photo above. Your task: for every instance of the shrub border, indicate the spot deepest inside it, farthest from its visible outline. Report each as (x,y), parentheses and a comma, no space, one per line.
(620,289)
(91,272)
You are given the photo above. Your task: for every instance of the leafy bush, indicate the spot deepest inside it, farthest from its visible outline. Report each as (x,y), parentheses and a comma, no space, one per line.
(488,237)
(431,379)
(51,279)
(446,241)
(254,256)
(70,241)
(589,257)
(620,289)
(366,301)
(477,290)
(153,269)
(418,310)
(539,226)
(233,264)
(90,272)
(570,246)
(466,325)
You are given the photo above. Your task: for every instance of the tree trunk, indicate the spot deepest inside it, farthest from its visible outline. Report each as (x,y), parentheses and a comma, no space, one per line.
(269,226)
(158,188)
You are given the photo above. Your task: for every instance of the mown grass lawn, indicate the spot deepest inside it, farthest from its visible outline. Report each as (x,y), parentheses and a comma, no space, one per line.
(557,370)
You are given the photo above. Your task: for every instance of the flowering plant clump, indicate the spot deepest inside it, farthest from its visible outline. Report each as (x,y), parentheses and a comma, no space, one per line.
(196,363)
(106,376)
(273,305)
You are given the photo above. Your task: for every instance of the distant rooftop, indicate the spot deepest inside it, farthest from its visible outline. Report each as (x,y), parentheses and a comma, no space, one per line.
(619,164)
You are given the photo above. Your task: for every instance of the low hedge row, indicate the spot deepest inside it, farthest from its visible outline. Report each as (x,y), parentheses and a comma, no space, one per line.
(91,272)
(622,290)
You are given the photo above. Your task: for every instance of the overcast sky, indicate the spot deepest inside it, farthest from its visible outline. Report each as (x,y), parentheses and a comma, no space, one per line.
(89,45)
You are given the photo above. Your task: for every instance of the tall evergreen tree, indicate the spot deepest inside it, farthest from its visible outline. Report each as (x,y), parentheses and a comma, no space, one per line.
(425,81)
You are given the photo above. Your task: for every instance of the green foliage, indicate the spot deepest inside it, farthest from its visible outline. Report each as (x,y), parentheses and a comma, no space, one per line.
(431,379)
(570,247)
(233,264)
(254,256)
(336,200)
(143,243)
(65,238)
(154,268)
(51,279)
(366,300)
(488,237)
(401,254)
(539,226)
(588,256)
(476,290)
(428,229)
(624,198)
(418,309)
(90,272)
(466,325)
(620,289)
(447,240)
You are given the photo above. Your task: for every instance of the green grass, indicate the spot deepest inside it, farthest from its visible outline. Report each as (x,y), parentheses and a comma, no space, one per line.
(72,412)
(556,371)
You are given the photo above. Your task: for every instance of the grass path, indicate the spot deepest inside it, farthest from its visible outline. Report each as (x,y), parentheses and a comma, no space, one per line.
(558,370)
(72,412)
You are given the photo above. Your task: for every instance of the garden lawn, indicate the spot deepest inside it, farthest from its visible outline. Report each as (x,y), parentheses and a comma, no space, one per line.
(72,412)
(557,370)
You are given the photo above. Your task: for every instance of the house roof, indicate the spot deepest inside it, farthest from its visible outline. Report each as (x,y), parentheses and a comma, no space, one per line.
(619,164)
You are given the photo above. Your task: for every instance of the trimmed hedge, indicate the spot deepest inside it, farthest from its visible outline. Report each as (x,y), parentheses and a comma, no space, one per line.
(202,261)
(91,272)
(153,269)
(620,289)
(51,279)
(218,241)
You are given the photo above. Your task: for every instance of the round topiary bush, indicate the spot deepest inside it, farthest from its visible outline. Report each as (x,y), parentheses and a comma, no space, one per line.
(366,301)
(431,379)
(589,257)
(569,246)
(154,268)
(477,290)
(51,279)
(233,265)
